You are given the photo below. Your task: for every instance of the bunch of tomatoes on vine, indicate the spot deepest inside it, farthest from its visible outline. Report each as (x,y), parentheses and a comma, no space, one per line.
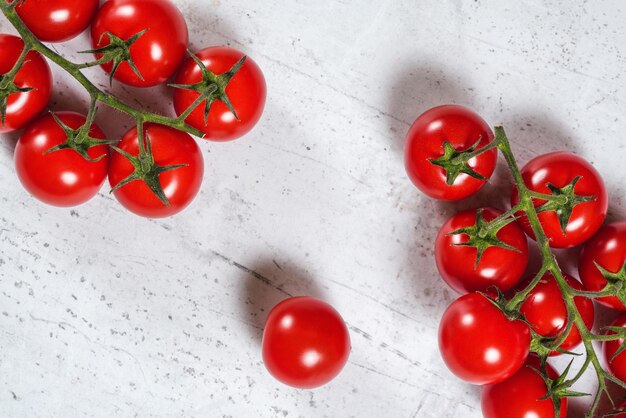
(506,325)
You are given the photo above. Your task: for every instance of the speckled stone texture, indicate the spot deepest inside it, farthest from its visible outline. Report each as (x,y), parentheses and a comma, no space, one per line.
(106,314)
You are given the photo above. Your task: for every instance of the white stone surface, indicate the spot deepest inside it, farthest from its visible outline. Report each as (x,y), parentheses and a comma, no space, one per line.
(103,313)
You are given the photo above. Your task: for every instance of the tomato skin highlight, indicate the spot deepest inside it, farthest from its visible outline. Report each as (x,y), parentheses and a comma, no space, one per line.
(471,341)
(607,248)
(157,53)
(24,107)
(617,366)
(462,128)
(519,396)
(169,147)
(61,178)
(57,20)
(560,168)
(305,342)
(246,90)
(497,267)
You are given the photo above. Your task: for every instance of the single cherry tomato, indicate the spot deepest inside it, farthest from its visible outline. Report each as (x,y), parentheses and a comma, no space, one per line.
(157,53)
(607,250)
(498,266)
(562,170)
(305,342)
(169,147)
(545,310)
(62,177)
(462,129)
(57,20)
(23,107)
(246,91)
(617,365)
(521,395)
(479,344)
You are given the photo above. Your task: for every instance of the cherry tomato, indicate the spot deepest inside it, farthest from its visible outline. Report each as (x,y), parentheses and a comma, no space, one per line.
(23,107)
(546,312)
(561,169)
(479,344)
(461,128)
(157,53)
(246,91)
(520,396)
(617,366)
(305,342)
(169,147)
(63,177)
(57,20)
(607,248)
(501,267)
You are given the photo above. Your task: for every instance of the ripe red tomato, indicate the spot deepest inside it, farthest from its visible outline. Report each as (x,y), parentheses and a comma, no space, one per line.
(305,342)
(501,267)
(617,366)
(23,107)
(246,91)
(157,53)
(546,312)
(169,147)
(58,20)
(63,177)
(462,129)
(561,169)
(607,248)
(479,344)
(520,396)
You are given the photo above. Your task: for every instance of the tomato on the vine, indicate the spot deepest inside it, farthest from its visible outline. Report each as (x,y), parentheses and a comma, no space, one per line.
(305,342)
(62,177)
(499,265)
(582,198)
(246,91)
(446,130)
(169,147)
(606,250)
(479,344)
(59,20)
(617,365)
(23,107)
(159,50)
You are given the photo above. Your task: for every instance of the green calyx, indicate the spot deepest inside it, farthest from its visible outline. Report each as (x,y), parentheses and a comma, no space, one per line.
(616,281)
(456,162)
(501,304)
(617,333)
(79,139)
(558,388)
(8,87)
(564,201)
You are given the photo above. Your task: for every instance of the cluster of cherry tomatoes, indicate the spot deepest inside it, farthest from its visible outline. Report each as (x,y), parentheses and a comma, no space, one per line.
(141,43)
(478,251)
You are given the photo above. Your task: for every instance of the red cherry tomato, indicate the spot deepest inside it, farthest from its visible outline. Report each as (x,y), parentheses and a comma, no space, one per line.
(64,177)
(498,266)
(520,396)
(22,108)
(246,91)
(169,147)
(617,366)
(560,169)
(479,344)
(57,20)
(158,52)
(461,128)
(305,342)
(607,248)
(546,312)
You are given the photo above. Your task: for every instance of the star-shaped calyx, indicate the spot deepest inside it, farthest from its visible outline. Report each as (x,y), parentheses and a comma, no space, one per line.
(456,162)
(616,280)
(7,88)
(79,139)
(558,388)
(564,202)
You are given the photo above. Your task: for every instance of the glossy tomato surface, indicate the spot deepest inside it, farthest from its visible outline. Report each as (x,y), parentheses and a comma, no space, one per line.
(460,127)
(520,396)
(546,312)
(22,108)
(246,91)
(607,248)
(57,20)
(617,366)
(479,344)
(158,52)
(169,147)
(305,342)
(498,266)
(560,169)
(64,177)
